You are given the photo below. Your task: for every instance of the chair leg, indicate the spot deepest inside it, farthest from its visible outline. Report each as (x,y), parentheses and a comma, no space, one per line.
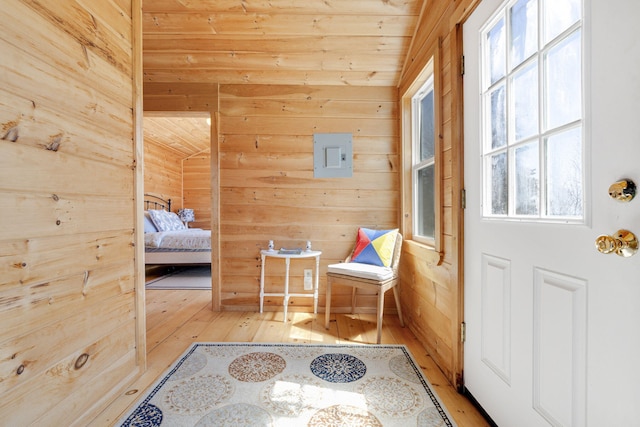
(327,308)
(380,309)
(396,296)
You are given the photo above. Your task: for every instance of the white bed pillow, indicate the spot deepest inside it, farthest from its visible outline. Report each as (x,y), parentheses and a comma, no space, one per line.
(149,226)
(166,221)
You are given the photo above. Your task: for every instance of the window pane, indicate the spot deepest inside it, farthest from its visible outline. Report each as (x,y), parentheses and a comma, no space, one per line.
(426,218)
(498,118)
(427,131)
(527,179)
(564,174)
(524,31)
(497,62)
(525,94)
(560,15)
(499,184)
(564,82)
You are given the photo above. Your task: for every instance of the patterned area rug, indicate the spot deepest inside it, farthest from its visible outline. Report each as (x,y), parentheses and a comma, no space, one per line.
(183,278)
(234,384)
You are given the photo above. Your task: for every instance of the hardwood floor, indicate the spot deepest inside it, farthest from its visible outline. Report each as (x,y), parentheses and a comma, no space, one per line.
(176,318)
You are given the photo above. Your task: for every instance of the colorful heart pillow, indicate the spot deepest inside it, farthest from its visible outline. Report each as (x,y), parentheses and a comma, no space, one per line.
(374,246)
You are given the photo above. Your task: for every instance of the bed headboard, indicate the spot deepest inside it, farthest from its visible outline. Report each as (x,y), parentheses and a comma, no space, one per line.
(155,202)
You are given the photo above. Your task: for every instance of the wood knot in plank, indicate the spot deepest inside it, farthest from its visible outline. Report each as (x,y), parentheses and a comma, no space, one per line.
(10,131)
(54,144)
(81,361)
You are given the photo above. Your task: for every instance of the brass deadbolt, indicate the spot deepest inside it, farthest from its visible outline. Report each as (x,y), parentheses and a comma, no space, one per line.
(623,190)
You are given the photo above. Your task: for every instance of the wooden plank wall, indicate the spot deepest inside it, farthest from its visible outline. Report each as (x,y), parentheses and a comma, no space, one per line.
(432,292)
(163,173)
(268,192)
(196,183)
(67,165)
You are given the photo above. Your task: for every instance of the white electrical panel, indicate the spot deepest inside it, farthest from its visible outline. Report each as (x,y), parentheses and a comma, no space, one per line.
(332,155)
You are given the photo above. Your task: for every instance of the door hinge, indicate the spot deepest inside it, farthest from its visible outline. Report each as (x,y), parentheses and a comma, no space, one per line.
(460,382)
(463,332)
(462,65)
(463,198)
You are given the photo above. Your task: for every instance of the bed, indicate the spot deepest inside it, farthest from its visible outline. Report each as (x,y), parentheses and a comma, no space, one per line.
(167,240)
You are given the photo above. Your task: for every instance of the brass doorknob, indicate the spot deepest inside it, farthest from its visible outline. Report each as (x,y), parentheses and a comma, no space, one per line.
(623,243)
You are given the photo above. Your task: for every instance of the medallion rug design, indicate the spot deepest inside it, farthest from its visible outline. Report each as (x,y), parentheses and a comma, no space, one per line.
(254,384)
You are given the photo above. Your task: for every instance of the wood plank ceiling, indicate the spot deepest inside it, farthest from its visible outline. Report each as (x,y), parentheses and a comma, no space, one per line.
(293,42)
(182,134)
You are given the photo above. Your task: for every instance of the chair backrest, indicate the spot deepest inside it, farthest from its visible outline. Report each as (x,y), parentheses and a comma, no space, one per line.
(395,260)
(397,250)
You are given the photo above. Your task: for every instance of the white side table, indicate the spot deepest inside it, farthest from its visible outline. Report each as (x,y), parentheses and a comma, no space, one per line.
(287,260)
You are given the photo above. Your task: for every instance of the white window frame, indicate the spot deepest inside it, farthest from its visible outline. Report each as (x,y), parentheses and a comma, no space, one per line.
(418,164)
(409,142)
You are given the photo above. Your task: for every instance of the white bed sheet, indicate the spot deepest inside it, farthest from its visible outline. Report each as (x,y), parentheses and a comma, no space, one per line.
(190,239)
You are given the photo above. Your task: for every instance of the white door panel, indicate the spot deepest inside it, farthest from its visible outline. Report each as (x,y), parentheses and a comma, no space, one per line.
(551,322)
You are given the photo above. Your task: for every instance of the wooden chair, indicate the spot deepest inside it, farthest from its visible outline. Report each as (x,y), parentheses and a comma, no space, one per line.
(365,276)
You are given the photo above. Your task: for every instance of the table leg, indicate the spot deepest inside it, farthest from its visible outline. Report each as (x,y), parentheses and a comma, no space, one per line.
(286,288)
(315,287)
(262,283)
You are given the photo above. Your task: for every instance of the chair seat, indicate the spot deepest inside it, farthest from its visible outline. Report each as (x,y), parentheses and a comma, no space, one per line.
(365,271)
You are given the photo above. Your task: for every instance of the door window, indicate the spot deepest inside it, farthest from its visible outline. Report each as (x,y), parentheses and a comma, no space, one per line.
(532,111)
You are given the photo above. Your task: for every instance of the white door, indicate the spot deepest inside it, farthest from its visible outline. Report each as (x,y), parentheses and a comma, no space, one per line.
(552,324)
